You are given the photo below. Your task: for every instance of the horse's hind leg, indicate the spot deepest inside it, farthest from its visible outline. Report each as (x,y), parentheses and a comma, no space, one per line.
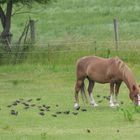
(117,87)
(84,97)
(111,95)
(78,87)
(90,89)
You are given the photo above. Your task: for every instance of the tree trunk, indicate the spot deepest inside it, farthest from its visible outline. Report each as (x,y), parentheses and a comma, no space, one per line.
(3,17)
(6,23)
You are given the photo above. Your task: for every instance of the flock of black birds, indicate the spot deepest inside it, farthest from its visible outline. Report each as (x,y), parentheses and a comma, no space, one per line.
(42,108)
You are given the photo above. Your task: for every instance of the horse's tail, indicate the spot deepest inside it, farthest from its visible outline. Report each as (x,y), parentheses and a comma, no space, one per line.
(83,94)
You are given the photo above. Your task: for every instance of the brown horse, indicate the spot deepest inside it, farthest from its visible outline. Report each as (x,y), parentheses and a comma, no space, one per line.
(105,70)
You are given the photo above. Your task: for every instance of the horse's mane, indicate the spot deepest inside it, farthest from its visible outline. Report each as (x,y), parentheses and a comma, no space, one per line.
(126,71)
(119,63)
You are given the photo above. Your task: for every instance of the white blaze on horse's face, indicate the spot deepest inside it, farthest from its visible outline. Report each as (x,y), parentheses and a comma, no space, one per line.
(138,100)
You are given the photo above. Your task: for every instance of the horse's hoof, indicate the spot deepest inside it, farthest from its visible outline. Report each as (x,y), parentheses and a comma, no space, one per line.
(112,105)
(76,106)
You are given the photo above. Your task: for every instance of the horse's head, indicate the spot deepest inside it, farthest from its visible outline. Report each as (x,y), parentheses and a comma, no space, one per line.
(135,95)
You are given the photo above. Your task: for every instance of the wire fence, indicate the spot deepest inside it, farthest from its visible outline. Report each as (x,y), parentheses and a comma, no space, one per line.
(59,50)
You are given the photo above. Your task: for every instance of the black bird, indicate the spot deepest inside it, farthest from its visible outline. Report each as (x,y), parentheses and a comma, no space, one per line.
(9,106)
(26,107)
(15,103)
(39,106)
(32,105)
(25,104)
(58,112)
(29,100)
(83,109)
(118,130)
(88,130)
(74,113)
(100,101)
(42,113)
(54,115)
(47,107)
(122,102)
(66,112)
(13,112)
(98,96)
(108,98)
(44,105)
(104,97)
(41,109)
(38,99)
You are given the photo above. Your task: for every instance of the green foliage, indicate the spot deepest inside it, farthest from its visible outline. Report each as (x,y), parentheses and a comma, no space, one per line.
(137,109)
(128,114)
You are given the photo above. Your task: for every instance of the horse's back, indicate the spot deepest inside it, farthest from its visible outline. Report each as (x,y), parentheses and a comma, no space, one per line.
(90,61)
(97,68)
(89,64)
(94,60)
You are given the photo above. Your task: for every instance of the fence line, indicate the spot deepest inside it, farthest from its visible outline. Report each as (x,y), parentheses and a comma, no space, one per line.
(69,51)
(75,42)
(65,51)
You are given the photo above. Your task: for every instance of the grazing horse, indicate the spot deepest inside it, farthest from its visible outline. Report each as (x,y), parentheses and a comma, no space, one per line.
(105,70)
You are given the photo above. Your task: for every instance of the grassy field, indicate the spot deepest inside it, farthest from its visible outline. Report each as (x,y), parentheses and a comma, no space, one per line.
(55,87)
(78,20)
(65,31)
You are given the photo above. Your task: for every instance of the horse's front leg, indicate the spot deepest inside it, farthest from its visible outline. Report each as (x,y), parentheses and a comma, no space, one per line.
(111,95)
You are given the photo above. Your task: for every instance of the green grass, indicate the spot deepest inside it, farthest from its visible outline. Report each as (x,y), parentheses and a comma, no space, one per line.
(78,20)
(56,86)
(65,31)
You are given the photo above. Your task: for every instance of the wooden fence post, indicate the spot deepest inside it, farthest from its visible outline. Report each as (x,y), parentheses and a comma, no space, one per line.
(32,30)
(116,33)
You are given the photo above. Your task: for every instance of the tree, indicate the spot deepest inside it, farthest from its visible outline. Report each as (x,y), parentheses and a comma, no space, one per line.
(5,17)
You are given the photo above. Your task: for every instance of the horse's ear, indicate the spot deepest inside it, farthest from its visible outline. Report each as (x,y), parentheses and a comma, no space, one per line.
(134,87)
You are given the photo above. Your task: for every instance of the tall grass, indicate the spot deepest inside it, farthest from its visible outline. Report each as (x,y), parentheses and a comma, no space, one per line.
(81,20)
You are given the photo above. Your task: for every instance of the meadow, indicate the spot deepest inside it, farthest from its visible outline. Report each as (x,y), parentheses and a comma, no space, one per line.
(25,84)
(37,92)
(80,20)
